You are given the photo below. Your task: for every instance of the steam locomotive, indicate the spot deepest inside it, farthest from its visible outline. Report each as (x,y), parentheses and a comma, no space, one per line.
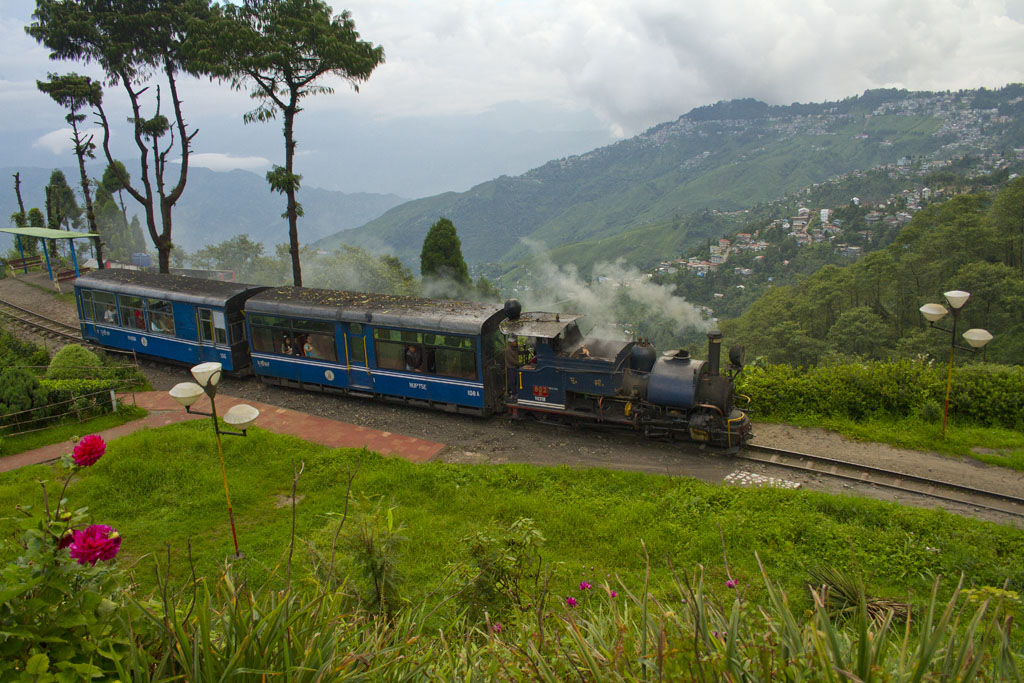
(456,356)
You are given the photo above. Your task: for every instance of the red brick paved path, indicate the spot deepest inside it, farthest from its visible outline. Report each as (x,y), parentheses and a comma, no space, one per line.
(163,410)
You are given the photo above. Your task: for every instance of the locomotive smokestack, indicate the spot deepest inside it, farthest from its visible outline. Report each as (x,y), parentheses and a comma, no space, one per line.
(714,352)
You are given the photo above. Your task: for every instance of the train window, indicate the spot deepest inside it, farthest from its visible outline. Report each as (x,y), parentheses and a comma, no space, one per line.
(390,335)
(161,316)
(104,307)
(459,363)
(390,354)
(212,326)
(308,338)
(132,312)
(86,304)
(220,327)
(237,332)
(206,325)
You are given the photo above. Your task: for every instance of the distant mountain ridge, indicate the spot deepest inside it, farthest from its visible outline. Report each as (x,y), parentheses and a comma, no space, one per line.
(726,156)
(217,206)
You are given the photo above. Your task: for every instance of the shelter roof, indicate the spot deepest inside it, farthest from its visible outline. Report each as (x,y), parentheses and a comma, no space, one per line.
(49,233)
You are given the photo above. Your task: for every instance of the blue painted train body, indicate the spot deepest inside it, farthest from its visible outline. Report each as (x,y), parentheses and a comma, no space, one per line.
(406,348)
(450,355)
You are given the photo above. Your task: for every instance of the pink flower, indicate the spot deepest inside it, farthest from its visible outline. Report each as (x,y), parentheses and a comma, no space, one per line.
(98,542)
(496,627)
(584,586)
(613,594)
(571,601)
(732,583)
(88,450)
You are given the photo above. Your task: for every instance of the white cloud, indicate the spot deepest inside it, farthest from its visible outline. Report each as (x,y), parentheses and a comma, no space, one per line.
(647,61)
(227,162)
(59,141)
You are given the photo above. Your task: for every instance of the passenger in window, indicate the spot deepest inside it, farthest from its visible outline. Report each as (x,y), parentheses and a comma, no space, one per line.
(286,347)
(108,315)
(140,322)
(413,358)
(155,323)
(308,351)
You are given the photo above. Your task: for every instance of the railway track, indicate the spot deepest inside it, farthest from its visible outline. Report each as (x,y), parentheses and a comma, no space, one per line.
(946,491)
(40,324)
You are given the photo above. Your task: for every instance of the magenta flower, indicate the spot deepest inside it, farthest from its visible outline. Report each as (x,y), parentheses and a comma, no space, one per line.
(98,542)
(88,450)
(732,583)
(571,601)
(613,594)
(496,627)
(584,586)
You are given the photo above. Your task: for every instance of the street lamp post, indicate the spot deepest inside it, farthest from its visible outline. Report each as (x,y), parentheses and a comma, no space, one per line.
(976,337)
(240,417)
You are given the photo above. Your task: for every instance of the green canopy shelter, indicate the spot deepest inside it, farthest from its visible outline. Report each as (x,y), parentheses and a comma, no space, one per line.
(51,234)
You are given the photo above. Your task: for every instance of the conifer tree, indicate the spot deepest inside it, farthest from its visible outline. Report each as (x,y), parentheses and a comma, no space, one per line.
(441,256)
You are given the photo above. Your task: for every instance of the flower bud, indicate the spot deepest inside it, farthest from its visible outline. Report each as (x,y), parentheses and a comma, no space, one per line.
(64,516)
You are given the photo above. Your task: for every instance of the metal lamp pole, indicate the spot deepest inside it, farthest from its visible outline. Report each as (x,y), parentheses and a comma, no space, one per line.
(976,337)
(207,376)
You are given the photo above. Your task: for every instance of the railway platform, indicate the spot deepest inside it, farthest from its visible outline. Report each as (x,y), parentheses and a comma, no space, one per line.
(163,411)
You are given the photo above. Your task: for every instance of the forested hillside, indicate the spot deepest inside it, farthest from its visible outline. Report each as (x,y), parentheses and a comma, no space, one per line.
(728,156)
(869,309)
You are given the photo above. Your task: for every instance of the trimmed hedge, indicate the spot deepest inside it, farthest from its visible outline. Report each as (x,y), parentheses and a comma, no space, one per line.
(79,394)
(987,395)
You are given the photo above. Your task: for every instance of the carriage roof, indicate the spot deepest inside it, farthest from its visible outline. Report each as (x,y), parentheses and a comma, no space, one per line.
(442,315)
(158,285)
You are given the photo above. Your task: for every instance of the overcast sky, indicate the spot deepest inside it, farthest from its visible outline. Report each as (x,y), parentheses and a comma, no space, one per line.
(498,86)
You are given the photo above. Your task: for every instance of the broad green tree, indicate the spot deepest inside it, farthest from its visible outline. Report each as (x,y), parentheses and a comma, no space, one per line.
(282,49)
(441,256)
(136,43)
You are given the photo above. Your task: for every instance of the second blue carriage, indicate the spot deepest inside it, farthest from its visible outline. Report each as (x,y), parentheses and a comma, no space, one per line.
(442,354)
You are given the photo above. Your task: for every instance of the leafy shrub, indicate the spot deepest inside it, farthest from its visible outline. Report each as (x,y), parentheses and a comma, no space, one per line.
(75,362)
(502,563)
(989,395)
(20,392)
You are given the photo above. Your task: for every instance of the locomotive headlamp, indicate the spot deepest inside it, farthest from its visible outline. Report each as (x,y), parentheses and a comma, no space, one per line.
(957,299)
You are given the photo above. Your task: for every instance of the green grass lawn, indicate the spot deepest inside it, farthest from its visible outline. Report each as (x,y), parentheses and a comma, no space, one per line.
(992,445)
(19,443)
(162,489)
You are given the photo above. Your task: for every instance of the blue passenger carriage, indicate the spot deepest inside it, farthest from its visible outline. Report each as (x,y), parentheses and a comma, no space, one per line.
(438,353)
(181,319)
